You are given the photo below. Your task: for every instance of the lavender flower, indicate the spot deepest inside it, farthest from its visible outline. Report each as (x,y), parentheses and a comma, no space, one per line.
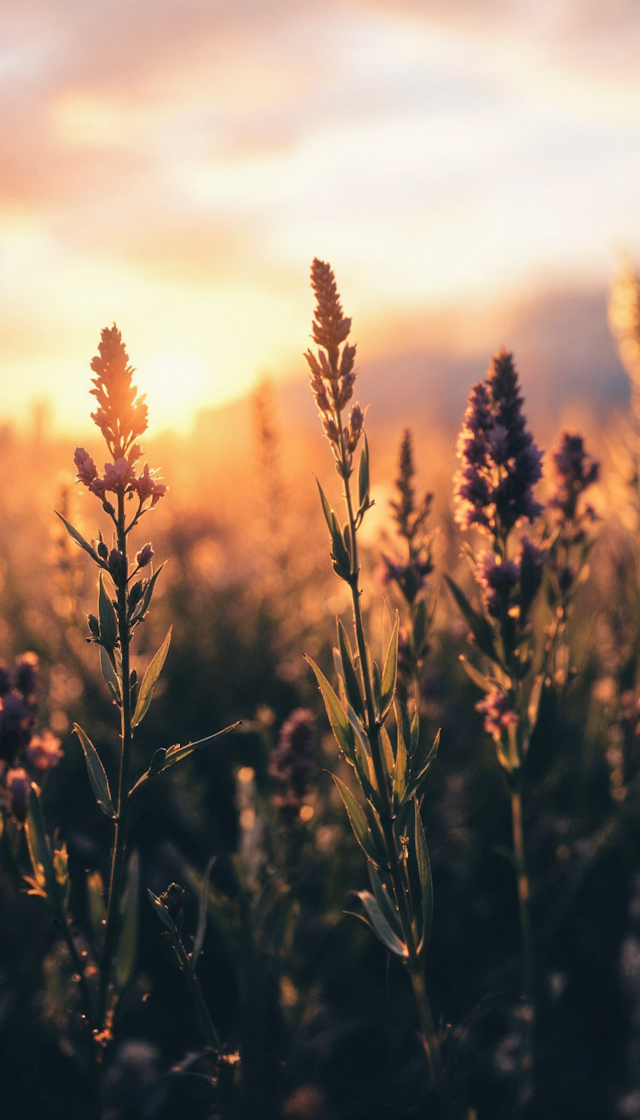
(497,582)
(575,472)
(499,713)
(332,370)
(500,463)
(292,761)
(21,750)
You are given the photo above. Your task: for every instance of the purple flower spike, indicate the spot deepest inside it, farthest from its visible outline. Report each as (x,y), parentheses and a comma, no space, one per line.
(499,461)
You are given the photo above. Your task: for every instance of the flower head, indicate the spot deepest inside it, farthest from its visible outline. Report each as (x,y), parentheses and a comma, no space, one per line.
(497,582)
(499,461)
(144,556)
(18,785)
(499,713)
(332,370)
(121,415)
(87,470)
(575,471)
(292,760)
(43,751)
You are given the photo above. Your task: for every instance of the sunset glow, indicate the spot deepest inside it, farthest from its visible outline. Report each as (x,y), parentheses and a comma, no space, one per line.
(179,182)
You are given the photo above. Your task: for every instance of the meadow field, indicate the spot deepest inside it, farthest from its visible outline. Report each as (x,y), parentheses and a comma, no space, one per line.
(405,881)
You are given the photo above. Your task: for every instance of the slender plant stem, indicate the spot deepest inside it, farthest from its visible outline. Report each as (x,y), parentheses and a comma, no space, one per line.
(79,969)
(198,998)
(430,1037)
(126,740)
(527,947)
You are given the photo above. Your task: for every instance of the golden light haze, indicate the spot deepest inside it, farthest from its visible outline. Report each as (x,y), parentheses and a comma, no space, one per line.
(175,167)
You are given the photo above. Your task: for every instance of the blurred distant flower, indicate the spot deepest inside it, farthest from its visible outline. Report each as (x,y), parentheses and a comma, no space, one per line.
(18,786)
(292,761)
(575,472)
(500,463)
(44,751)
(499,713)
(624,320)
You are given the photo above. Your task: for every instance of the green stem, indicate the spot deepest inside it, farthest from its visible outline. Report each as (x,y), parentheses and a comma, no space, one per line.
(196,993)
(527,948)
(430,1037)
(126,740)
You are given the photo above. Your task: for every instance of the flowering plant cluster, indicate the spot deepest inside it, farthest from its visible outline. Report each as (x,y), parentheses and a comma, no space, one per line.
(409,574)
(25,754)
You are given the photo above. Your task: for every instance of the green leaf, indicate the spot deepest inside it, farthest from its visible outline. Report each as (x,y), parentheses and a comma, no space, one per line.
(362,762)
(145,602)
(478,678)
(415,783)
(39,849)
(385,900)
(338,718)
(96,771)
(387,750)
(363,476)
(383,930)
(401,774)
(127,951)
(477,624)
(326,509)
(351,684)
(357,819)
(150,680)
(339,551)
(110,675)
(198,940)
(424,875)
(107,615)
(166,757)
(79,539)
(390,671)
(96,906)
(418,627)
(162,913)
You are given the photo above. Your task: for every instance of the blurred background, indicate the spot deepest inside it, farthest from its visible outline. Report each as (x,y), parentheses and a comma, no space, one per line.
(472,173)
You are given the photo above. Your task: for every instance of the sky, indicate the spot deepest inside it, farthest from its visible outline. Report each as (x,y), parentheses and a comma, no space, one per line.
(175,166)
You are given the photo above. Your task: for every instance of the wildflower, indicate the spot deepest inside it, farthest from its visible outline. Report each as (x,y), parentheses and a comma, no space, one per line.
(146,487)
(499,713)
(25,673)
(118,475)
(121,415)
(332,371)
(575,472)
(497,582)
(144,556)
(17,719)
(500,463)
(43,751)
(87,470)
(173,898)
(531,560)
(410,577)
(292,760)
(410,517)
(18,785)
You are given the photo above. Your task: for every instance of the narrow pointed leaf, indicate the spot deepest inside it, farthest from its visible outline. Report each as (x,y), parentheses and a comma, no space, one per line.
(387,749)
(198,940)
(424,875)
(390,671)
(477,624)
(79,539)
(383,930)
(166,757)
(150,680)
(478,678)
(96,906)
(39,849)
(326,508)
(97,774)
(110,675)
(416,782)
(363,475)
(127,951)
(385,900)
(145,603)
(357,819)
(338,718)
(351,683)
(401,774)
(107,615)
(162,913)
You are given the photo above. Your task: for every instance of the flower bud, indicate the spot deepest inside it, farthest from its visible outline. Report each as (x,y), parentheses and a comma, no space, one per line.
(145,555)
(102,550)
(172,898)
(94,625)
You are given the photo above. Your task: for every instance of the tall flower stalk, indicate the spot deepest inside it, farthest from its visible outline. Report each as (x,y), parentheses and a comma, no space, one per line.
(390,776)
(125,589)
(494,491)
